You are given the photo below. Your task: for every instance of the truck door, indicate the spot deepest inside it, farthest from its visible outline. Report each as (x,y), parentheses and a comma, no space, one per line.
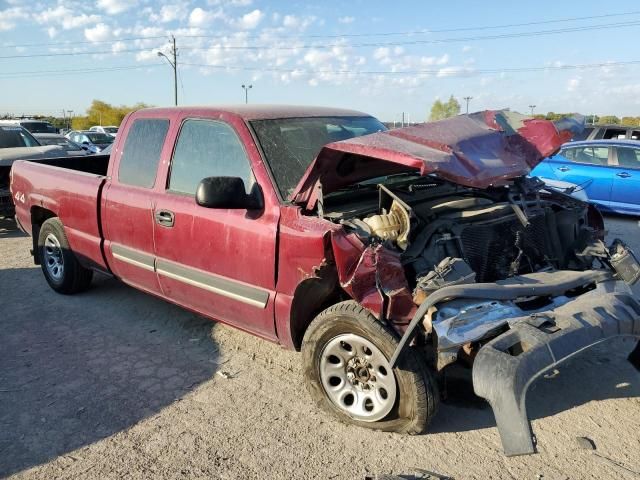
(127,207)
(220,262)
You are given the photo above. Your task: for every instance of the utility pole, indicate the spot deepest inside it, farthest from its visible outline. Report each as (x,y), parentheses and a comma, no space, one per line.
(70,112)
(246,92)
(174,65)
(532,107)
(467,99)
(402,124)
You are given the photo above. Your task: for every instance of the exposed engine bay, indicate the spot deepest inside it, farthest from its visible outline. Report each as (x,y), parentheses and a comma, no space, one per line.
(444,235)
(447,234)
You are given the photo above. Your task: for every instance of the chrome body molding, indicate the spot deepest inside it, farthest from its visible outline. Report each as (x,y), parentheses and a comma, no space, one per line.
(133,257)
(226,287)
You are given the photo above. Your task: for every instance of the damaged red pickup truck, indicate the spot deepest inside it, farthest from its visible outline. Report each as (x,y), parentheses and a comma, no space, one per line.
(385,256)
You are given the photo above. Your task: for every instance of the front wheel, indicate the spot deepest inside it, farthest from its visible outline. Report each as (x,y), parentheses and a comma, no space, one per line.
(346,355)
(61,268)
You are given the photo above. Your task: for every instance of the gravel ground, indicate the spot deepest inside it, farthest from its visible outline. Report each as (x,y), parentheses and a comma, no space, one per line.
(114,383)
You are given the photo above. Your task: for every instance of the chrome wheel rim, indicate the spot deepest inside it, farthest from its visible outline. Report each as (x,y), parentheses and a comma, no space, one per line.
(53,258)
(357,378)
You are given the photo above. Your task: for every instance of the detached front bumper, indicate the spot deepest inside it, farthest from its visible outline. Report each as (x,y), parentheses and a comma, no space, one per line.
(535,342)
(506,366)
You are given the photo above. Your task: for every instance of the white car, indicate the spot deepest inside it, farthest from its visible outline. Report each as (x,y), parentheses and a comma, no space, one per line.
(109,130)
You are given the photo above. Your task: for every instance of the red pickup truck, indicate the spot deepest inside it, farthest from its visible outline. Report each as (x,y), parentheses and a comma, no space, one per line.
(385,256)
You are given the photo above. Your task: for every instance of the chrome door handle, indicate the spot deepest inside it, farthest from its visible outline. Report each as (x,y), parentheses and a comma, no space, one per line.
(165,218)
(564,169)
(623,175)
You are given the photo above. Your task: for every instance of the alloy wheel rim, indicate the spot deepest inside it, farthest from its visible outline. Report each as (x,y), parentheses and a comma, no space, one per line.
(53,259)
(358,378)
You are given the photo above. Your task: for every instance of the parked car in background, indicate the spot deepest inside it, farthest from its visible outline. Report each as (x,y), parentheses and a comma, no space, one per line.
(16,143)
(71,148)
(110,130)
(608,132)
(34,126)
(95,141)
(608,170)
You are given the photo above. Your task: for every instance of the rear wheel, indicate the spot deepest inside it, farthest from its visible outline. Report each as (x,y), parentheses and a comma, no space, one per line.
(346,352)
(61,268)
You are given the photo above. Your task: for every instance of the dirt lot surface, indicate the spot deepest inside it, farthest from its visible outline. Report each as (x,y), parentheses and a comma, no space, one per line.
(114,383)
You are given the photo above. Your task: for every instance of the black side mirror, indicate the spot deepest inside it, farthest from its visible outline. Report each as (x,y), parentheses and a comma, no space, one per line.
(228,192)
(85,143)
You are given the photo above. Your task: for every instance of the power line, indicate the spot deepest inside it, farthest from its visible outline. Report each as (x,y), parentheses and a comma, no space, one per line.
(70,54)
(430,31)
(423,31)
(440,72)
(424,42)
(39,73)
(80,42)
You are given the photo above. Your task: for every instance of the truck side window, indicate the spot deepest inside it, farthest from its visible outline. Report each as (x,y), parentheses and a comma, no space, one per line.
(141,152)
(207,148)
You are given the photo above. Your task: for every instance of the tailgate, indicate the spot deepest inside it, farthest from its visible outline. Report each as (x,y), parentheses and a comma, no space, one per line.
(71,195)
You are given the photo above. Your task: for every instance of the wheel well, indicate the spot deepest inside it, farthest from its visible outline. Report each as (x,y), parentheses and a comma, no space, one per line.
(39,215)
(311,297)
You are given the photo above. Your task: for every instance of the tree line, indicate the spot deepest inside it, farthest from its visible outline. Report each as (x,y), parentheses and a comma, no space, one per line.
(99,113)
(451,108)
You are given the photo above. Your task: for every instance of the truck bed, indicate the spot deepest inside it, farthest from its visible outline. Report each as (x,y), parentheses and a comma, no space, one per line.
(72,188)
(94,164)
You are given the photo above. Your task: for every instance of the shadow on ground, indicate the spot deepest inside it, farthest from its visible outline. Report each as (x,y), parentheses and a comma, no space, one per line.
(9,229)
(598,373)
(77,369)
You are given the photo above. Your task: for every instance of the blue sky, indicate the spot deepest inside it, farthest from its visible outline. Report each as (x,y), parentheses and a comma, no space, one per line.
(380,57)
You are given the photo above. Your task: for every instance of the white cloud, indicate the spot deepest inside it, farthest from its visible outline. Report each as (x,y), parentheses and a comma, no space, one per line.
(172,12)
(453,71)
(9,16)
(573,84)
(99,33)
(297,23)
(250,20)
(52,32)
(66,18)
(199,17)
(114,7)
(118,47)
(346,19)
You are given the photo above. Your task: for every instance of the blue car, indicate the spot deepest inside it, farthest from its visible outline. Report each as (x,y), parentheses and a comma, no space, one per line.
(608,170)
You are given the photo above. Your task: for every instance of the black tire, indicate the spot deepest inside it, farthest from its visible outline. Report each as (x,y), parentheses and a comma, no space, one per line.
(70,277)
(417,394)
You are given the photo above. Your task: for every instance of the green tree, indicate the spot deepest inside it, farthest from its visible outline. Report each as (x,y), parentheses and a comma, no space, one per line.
(102,113)
(630,121)
(609,120)
(440,110)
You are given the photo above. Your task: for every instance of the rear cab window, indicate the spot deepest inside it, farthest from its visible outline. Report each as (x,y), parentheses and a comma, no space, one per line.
(141,152)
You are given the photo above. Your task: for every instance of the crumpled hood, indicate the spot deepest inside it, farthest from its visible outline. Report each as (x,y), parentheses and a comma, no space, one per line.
(478,150)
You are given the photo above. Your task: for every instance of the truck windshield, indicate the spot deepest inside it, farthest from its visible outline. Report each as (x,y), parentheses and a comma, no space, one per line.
(11,137)
(291,144)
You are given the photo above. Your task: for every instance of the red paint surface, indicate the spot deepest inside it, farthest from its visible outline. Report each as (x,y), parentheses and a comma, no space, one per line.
(278,250)
(472,150)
